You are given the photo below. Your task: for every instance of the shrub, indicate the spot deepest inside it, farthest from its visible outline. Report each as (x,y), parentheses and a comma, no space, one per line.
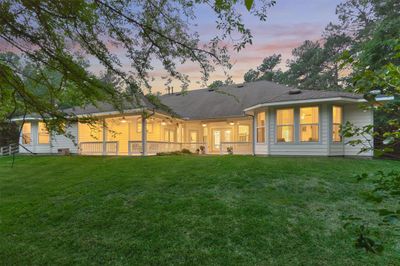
(186,151)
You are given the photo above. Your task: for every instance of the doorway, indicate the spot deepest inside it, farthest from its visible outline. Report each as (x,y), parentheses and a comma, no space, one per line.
(218,136)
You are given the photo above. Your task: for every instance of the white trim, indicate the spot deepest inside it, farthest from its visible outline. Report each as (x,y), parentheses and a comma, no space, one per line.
(384,98)
(303,101)
(25,119)
(129,111)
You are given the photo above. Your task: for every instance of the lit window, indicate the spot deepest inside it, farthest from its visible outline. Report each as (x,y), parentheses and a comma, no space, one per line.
(26,133)
(244,133)
(205,133)
(169,135)
(284,125)
(309,124)
(43,134)
(149,126)
(261,127)
(336,123)
(193,136)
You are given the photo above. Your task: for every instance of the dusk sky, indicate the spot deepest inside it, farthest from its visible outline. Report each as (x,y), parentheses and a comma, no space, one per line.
(289,23)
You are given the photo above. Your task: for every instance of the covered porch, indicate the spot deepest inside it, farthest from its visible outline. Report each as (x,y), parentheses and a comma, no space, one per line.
(144,134)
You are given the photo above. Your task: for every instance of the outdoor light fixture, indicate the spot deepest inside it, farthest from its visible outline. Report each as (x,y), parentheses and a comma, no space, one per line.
(231,123)
(204,125)
(123,120)
(163,123)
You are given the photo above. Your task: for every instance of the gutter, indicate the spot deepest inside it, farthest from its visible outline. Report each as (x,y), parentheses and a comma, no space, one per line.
(303,101)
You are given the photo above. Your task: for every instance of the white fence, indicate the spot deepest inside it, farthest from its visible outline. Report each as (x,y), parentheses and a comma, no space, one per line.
(236,148)
(9,149)
(99,148)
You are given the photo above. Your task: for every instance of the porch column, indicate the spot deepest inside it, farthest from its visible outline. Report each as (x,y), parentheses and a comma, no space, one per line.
(253,143)
(144,135)
(104,136)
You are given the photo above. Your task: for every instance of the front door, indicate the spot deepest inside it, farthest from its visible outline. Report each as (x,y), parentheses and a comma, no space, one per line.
(218,136)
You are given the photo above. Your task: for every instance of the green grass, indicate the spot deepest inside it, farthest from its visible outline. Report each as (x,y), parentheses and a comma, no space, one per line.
(185,210)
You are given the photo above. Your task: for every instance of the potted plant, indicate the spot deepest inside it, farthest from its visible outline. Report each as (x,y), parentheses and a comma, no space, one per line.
(229,150)
(202,149)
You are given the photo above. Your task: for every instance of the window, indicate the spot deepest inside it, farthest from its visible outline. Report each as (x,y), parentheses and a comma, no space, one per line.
(261,127)
(205,133)
(284,125)
(336,123)
(193,136)
(169,135)
(309,124)
(149,126)
(43,134)
(244,133)
(26,133)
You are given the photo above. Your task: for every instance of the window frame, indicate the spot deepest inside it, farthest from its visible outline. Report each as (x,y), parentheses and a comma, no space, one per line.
(149,126)
(247,135)
(293,125)
(168,131)
(38,134)
(30,134)
(332,124)
(264,138)
(310,124)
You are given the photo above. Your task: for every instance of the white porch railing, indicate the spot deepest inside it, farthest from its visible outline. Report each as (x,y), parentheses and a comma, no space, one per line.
(154,147)
(9,149)
(99,148)
(236,147)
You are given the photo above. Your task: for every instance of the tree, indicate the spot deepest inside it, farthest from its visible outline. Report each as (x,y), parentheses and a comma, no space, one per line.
(216,84)
(374,61)
(265,71)
(251,75)
(54,34)
(305,70)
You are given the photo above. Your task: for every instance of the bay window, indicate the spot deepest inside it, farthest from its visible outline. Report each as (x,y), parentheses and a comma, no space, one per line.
(309,124)
(26,133)
(261,127)
(43,133)
(336,123)
(284,125)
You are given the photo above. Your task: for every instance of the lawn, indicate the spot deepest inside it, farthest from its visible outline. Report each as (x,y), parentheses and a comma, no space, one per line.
(189,210)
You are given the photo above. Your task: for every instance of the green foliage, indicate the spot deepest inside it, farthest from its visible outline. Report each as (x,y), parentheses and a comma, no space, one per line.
(216,84)
(265,71)
(365,242)
(54,35)
(251,75)
(384,193)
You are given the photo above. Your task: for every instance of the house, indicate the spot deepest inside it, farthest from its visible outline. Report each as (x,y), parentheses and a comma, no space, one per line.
(261,118)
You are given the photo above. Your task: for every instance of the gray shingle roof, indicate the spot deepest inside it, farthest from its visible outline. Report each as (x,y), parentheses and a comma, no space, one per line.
(230,101)
(226,101)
